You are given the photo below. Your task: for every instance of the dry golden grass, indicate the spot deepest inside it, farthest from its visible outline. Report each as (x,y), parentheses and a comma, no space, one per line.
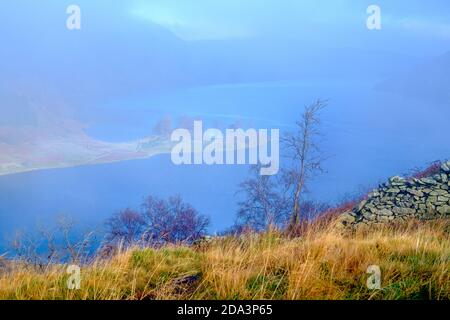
(320,264)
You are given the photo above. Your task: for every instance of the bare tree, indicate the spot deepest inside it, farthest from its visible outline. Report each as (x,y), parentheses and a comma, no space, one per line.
(267,206)
(49,237)
(75,244)
(172,221)
(53,244)
(24,247)
(163,127)
(125,226)
(161,221)
(305,155)
(264,205)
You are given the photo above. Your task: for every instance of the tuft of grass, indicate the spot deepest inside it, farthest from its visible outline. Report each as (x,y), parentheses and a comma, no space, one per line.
(321,263)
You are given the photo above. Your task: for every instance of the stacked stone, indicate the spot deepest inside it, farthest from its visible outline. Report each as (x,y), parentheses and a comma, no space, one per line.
(401,199)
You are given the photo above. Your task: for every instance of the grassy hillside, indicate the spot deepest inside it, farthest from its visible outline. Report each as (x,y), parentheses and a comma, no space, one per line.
(322,263)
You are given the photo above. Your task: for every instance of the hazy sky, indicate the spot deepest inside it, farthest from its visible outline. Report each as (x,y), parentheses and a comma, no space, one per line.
(142,48)
(168,44)
(220,19)
(292,18)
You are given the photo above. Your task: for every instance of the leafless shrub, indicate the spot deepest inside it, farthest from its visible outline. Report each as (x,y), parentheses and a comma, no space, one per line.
(172,221)
(53,244)
(419,173)
(126,226)
(160,222)
(264,206)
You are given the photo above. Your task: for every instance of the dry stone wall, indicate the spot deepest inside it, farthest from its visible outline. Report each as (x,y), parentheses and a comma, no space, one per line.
(401,199)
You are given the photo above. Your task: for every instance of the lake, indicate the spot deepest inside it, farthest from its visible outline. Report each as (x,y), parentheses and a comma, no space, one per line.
(368,136)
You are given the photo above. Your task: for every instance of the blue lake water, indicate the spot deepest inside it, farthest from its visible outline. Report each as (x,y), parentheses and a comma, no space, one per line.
(368,136)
